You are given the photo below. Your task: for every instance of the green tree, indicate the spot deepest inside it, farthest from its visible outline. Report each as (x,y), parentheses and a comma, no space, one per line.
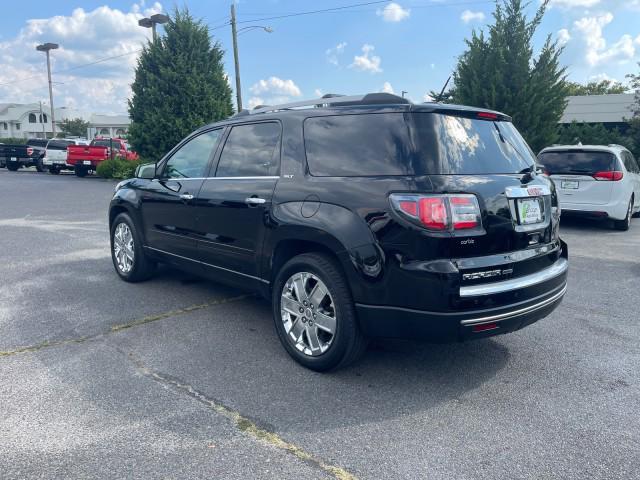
(499,71)
(75,127)
(634,130)
(592,134)
(179,86)
(602,87)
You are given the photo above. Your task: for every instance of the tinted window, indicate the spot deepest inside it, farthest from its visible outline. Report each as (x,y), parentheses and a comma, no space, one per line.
(191,160)
(36,143)
(58,145)
(577,161)
(412,144)
(251,151)
(105,143)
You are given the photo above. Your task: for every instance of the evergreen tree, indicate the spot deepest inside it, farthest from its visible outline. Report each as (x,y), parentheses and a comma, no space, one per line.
(179,85)
(592,134)
(634,130)
(499,71)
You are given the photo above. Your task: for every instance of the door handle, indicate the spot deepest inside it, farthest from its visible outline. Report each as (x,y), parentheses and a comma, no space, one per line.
(254,201)
(186,196)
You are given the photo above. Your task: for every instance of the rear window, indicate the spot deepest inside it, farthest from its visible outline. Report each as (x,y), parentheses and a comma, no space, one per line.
(58,144)
(577,162)
(105,143)
(412,144)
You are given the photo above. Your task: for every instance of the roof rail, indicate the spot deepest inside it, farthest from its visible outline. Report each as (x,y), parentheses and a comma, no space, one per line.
(241,113)
(368,99)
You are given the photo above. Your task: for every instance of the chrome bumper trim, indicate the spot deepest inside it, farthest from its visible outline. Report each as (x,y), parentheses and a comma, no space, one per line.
(558,268)
(515,313)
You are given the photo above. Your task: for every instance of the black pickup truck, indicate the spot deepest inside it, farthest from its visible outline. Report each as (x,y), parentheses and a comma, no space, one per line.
(30,155)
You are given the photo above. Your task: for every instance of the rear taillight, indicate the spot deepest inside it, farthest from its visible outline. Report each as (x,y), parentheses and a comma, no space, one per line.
(610,176)
(451,212)
(29,151)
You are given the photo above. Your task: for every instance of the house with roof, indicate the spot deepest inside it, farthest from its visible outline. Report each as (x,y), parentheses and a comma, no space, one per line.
(33,120)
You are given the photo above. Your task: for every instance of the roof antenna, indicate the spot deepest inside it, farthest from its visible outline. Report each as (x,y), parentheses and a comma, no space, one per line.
(439,99)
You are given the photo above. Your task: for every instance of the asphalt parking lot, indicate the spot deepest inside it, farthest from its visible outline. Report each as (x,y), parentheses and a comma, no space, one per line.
(183,378)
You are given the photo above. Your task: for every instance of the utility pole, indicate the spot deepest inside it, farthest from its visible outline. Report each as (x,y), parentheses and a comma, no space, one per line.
(152,21)
(44,132)
(234,33)
(47,47)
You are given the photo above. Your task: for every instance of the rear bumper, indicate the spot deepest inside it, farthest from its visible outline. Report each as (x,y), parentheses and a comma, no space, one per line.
(616,209)
(398,322)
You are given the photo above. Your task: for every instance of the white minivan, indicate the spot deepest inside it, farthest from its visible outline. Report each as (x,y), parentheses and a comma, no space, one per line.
(599,181)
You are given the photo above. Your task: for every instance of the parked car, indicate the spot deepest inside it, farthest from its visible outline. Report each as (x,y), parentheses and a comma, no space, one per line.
(596,181)
(359,217)
(15,156)
(55,157)
(86,158)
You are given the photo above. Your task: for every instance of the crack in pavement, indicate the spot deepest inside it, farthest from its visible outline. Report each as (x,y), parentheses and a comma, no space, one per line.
(242,423)
(123,326)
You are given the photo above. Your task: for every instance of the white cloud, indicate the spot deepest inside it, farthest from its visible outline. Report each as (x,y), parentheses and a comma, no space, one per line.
(387,88)
(393,13)
(563,36)
(276,86)
(318,93)
(566,4)
(597,51)
(468,16)
(335,52)
(427,98)
(273,91)
(84,37)
(367,62)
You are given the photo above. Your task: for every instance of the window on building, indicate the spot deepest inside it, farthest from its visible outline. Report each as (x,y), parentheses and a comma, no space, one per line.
(104,131)
(5,126)
(32,118)
(120,132)
(43,118)
(17,126)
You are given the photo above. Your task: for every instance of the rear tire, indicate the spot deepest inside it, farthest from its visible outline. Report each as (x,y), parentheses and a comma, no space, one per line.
(40,165)
(306,342)
(54,170)
(13,167)
(623,225)
(127,253)
(81,172)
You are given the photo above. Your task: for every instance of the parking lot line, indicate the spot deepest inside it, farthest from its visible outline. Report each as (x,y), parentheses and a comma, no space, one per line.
(123,326)
(242,423)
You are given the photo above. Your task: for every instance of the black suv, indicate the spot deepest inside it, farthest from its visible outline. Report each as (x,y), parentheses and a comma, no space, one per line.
(363,216)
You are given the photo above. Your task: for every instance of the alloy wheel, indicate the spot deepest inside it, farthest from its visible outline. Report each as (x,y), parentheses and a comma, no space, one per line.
(308,314)
(123,248)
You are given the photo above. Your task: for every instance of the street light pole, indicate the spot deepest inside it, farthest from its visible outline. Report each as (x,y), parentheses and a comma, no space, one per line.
(47,47)
(152,21)
(234,33)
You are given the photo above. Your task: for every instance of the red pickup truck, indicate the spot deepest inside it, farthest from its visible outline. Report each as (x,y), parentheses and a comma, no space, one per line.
(87,157)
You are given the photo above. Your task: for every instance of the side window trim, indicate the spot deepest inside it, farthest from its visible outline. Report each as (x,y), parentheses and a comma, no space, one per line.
(177,148)
(223,143)
(213,165)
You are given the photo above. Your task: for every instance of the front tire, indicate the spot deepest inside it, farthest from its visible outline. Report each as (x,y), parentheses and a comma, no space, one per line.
(623,225)
(81,172)
(127,253)
(12,166)
(314,313)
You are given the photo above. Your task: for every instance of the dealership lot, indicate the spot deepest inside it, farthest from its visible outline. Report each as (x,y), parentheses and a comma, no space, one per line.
(179,377)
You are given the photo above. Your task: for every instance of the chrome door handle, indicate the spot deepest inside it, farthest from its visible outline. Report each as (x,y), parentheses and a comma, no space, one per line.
(254,201)
(186,196)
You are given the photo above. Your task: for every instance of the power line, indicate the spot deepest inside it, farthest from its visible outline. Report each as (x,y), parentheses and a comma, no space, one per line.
(100,60)
(311,12)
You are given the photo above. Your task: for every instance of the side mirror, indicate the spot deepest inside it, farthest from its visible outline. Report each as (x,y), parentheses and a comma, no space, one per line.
(146,170)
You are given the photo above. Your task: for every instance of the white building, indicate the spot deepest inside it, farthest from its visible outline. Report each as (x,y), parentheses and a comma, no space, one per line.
(27,121)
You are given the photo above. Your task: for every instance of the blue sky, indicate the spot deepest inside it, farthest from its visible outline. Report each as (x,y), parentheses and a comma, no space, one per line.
(409,45)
